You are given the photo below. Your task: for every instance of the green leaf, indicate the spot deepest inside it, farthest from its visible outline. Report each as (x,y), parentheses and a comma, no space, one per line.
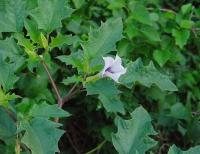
(7,149)
(7,76)
(103,40)
(6,97)
(185,9)
(140,13)
(47,111)
(31,4)
(26,43)
(12,15)
(131,29)
(10,50)
(179,111)
(146,75)
(78,3)
(112,104)
(161,56)
(187,24)
(44,41)
(154,16)
(29,48)
(174,150)
(151,33)
(61,40)
(108,94)
(41,136)
(133,135)
(75,59)
(119,4)
(7,125)
(72,79)
(33,31)
(35,85)
(49,14)
(181,36)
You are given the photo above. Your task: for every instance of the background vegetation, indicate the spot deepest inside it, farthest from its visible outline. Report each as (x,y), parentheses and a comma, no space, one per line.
(160,45)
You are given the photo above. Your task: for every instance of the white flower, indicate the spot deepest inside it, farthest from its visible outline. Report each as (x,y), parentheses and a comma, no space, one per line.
(113,68)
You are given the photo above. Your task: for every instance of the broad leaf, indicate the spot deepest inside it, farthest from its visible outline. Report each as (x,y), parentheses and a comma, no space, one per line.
(74,59)
(161,56)
(72,79)
(26,43)
(48,111)
(185,9)
(151,33)
(108,94)
(7,149)
(140,13)
(41,136)
(7,125)
(78,3)
(7,76)
(174,150)
(12,15)
(103,40)
(29,48)
(146,75)
(187,24)
(49,14)
(133,135)
(61,40)
(33,31)
(181,36)
(35,86)
(10,50)
(179,111)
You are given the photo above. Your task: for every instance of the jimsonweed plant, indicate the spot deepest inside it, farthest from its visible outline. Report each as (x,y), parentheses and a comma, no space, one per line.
(99,77)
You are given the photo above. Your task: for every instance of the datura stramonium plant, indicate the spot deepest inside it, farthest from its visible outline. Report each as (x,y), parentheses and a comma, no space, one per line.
(113,68)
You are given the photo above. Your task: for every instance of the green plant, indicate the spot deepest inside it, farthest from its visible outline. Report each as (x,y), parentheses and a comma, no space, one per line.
(60,85)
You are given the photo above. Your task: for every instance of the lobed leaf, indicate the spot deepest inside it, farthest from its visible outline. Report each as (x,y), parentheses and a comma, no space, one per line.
(50,13)
(7,125)
(132,136)
(12,15)
(174,150)
(47,111)
(103,40)
(7,75)
(41,136)
(146,75)
(108,94)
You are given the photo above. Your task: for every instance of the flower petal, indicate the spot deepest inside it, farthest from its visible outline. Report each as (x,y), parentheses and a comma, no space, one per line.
(108,62)
(114,76)
(117,65)
(118,60)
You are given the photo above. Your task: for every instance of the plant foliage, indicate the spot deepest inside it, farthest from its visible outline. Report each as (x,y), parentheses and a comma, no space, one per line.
(54,97)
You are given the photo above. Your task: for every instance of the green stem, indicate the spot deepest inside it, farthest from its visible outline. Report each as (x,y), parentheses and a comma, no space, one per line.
(59,98)
(97,148)
(67,97)
(92,78)
(17,145)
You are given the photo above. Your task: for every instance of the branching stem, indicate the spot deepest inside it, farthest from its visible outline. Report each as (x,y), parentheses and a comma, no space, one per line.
(59,98)
(69,94)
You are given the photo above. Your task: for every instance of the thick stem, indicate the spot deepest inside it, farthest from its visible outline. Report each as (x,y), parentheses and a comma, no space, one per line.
(59,98)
